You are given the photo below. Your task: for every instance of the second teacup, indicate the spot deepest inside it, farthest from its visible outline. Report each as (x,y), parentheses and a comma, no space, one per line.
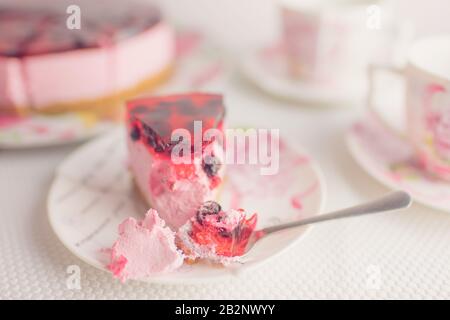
(333,41)
(427,77)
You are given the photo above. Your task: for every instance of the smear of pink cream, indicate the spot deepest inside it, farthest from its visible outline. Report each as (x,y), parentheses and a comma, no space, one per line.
(236,199)
(40,129)
(297,199)
(187,42)
(206,75)
(67,135)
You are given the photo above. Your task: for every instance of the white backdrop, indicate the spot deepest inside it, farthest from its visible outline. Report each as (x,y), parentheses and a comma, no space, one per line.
(410,249)
(240,24)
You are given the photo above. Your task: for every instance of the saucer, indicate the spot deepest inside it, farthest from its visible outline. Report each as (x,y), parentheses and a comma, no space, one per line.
(49,130)
(266,68)
(93,192)
(390,159)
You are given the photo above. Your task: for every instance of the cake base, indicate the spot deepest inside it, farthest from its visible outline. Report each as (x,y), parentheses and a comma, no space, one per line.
(108,107)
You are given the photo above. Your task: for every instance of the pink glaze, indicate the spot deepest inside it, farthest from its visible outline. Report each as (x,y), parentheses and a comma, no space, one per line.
(144,248)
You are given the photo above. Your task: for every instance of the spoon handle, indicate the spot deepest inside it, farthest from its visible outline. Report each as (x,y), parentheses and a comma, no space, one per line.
(391,201)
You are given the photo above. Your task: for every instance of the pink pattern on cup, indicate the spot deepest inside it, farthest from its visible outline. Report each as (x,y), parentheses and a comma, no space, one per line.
(438,121)
(431,90)
(441,133)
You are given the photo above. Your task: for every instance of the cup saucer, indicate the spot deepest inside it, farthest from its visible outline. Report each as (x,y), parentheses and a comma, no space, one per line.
(266,68)
(391,160)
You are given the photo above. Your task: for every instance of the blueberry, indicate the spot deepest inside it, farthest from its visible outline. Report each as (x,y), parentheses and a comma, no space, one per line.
(139,109)
(151,140)
(224,233)
(211,166)
(207,208)
(135,133)
(210,207)
(159,148)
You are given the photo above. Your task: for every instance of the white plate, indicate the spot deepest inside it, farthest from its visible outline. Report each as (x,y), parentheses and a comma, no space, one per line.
(42,130)
(93,192)
(266,68)
(390,160)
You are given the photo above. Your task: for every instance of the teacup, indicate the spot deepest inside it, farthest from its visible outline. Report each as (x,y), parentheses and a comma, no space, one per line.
(333,41)
(427,102)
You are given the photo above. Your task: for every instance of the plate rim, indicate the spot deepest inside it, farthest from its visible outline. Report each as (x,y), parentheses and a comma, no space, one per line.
(248,64)
(109,125)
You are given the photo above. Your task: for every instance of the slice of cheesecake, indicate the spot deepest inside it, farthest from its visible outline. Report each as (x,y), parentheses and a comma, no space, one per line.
(175,190)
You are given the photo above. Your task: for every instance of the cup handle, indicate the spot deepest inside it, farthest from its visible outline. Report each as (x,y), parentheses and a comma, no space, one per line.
(372,71)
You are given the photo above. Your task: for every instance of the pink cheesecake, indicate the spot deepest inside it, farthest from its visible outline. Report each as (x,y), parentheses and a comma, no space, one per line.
(175,190)
(216,235)
(144,248)
(47,67)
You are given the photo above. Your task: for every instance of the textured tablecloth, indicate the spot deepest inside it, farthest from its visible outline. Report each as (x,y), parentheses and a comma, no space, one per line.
(390,255)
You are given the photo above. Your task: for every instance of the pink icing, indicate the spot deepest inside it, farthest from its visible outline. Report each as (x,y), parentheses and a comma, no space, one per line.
(144,248)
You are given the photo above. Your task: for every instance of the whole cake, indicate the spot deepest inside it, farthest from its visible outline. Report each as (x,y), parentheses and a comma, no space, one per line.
(47,67)
(175,190)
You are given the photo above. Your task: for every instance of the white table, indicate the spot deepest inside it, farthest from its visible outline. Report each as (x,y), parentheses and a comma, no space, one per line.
(391,255)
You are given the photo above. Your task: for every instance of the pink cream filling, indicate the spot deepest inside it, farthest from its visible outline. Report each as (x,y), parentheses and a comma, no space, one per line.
(144,249)
(176,199)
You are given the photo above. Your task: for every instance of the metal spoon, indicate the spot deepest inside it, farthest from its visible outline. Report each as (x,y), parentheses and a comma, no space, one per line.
(392,201)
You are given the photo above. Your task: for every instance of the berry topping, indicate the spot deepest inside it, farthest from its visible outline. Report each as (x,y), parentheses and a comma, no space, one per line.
(208,208)
(41,31)
(153,140)
(160,116)
(225,233)
(135,133)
